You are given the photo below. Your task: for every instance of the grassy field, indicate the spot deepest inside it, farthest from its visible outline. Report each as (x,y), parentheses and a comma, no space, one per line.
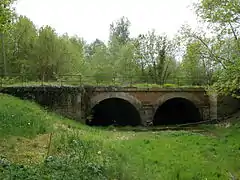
(35,144)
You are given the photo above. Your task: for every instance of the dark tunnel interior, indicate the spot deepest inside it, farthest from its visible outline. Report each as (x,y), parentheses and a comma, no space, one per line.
(114,111)
(176,111)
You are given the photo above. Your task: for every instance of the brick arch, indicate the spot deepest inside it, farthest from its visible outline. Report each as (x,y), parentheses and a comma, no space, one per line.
(185,95)
(121,95)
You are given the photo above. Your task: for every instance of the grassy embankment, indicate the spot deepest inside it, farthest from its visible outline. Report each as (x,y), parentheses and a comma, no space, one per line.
(35,144)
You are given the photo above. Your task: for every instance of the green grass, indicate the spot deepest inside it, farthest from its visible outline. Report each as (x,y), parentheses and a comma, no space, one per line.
(69,150)
(22,118)
(18,82)
(143,85)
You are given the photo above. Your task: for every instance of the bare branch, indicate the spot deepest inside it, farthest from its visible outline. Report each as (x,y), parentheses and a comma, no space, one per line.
(233,31)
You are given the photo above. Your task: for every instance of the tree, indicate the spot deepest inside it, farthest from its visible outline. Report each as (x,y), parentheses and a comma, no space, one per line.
(20,47)
(126,64)
(120,30)
(223,18)
(46,51)
(195,65)
(91,48)
(77,61)
(101,67)
(119,46)
(155,56)
(7,14)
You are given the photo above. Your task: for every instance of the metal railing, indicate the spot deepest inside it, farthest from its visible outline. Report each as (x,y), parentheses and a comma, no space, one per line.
(100,80)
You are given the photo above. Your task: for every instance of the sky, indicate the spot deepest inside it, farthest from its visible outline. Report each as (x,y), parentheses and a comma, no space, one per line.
(91,19)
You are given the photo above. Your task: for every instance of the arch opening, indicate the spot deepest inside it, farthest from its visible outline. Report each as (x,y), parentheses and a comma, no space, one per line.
(114,111)
(176,111)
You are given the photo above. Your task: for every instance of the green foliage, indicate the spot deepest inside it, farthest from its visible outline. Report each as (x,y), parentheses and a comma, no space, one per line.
(41,55)
(21,118)
(146,85)
(169,85)
(90,155)
(195,65)
(216,11)
(6,14)
(20,44)
(8,81)
(78,151)
(155,56)
(228,81)
(215,58)
(119,30)
(70,166)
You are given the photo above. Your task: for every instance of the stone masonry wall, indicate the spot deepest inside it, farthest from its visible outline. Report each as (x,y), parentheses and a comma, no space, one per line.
(76,102)
(146,101)
(62,100)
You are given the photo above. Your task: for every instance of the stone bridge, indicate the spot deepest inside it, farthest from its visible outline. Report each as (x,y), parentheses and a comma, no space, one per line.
(121,105)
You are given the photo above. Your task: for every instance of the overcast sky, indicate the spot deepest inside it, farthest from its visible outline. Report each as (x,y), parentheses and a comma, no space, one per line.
(90,19)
